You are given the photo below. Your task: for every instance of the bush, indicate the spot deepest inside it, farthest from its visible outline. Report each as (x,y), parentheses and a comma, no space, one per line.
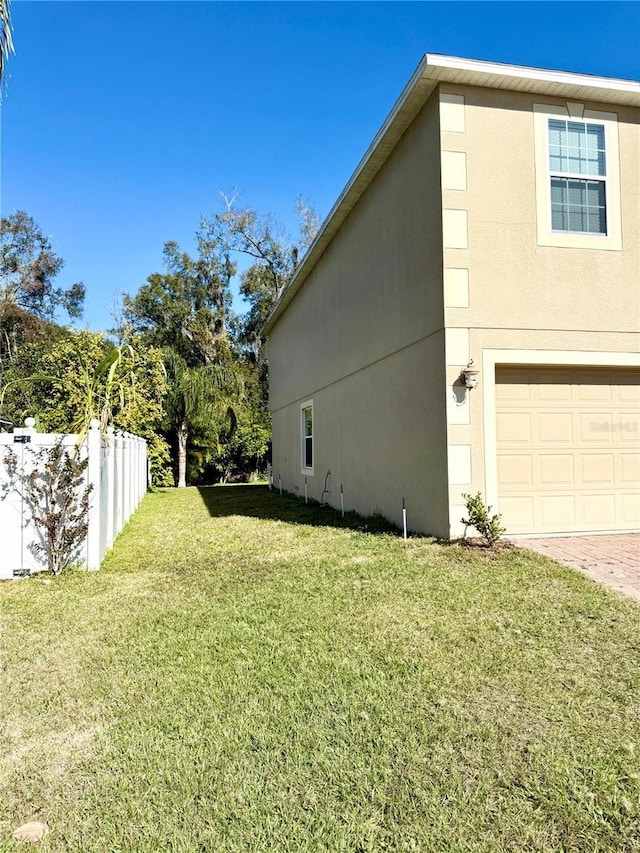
(55,492)
(488,526)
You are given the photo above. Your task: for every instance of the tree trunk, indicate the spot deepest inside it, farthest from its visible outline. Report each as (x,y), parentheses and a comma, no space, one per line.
(183,434)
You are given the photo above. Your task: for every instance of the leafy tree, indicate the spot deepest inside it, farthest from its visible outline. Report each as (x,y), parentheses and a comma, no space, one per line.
(81,376)
(197,397)
(186,311)
(262,284)
(187,307)
(273,254)
(28,266)
(29,300)
(243,451)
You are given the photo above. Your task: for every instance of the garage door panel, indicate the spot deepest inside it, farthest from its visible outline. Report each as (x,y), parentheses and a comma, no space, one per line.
(596,388)
(630,469)
(514,428)
(512,388)
(555,428)
(568,449)
(556,469)
(599,510)
(629,389)
(557,509)
(629,429)
(630,509)
(595,428)
(598,468)
(516,470)
(519,511)
(556,387)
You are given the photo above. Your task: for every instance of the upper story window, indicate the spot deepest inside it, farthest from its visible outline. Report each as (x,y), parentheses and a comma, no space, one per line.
(577,177)
(578,172)
(306,423)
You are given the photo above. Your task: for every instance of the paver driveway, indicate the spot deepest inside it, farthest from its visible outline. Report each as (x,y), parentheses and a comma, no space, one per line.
(610,559)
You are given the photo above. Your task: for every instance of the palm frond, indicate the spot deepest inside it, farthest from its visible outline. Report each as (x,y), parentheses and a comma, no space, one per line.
(6,39)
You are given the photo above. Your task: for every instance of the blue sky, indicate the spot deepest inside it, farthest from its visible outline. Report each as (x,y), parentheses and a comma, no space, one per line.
(121,121)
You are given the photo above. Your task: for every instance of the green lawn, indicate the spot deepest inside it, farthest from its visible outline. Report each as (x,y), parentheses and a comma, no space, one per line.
(248,674)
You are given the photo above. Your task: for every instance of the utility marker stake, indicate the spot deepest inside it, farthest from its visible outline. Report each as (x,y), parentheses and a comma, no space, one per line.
(305,491)
(341,500)
(280,484)
(404,520)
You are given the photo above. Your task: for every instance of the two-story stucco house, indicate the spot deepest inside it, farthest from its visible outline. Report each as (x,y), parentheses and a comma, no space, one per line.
(494,218)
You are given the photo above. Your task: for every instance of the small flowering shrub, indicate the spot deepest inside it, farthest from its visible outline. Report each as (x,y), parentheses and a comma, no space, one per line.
(54,490)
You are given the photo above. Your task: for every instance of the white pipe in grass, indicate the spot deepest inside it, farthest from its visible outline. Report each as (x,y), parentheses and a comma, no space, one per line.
(404,520)
(306,496)
(280,483)
(341,500)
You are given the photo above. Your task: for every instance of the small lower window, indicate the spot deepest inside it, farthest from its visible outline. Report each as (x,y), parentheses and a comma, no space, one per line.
(307,436)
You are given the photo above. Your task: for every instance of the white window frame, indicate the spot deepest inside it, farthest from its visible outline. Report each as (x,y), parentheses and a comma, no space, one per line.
(308,472)
(546,236)
(572,176)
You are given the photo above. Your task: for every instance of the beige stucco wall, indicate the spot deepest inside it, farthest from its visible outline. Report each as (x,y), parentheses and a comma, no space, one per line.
(364,339)
(521,295)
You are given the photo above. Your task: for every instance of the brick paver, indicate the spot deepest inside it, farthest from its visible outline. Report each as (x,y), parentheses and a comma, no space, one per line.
(610,559)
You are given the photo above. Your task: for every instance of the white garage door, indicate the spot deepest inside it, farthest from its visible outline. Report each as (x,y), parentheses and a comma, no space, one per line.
(568,442)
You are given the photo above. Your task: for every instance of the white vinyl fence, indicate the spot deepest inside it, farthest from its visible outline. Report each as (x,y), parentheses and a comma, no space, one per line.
(117,470)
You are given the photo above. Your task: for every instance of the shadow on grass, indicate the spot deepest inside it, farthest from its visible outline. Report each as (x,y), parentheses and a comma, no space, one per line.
(259,502)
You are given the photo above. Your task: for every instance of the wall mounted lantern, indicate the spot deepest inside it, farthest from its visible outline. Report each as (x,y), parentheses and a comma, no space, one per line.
(469,375)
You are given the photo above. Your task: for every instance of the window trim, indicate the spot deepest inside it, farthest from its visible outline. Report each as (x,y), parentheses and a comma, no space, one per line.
(546,236)
(308,472)
(572,176)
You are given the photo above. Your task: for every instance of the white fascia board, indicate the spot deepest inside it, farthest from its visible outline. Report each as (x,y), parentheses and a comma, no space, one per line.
(609,85)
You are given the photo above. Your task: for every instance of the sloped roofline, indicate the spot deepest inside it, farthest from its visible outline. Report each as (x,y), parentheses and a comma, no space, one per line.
(433,69)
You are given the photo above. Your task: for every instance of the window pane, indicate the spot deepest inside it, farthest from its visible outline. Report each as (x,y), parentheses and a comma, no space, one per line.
(577,192)
(595,193)
(559,220)
(308,452)
(599,221)
(558,190)
(577,219)
(595,134)
(578,206)
(575,134)
(576,147)
(557,162)
(308,421)
(556,129)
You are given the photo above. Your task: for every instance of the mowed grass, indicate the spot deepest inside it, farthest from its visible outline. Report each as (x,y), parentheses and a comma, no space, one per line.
(249,674)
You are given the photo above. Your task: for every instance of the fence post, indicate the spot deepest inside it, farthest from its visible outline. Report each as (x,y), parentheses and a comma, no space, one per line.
(130,468)
(144,470)
(118,491)
(126,476)
(110,490)
(93,477)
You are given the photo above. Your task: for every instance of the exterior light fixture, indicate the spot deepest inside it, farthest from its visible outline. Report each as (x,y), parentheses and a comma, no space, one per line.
(469,376)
